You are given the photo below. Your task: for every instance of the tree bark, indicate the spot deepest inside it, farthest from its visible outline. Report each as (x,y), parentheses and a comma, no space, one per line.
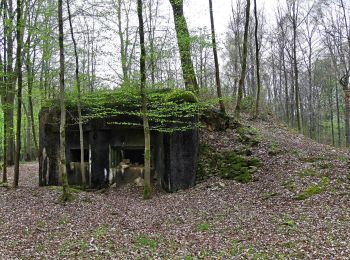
(257,59)
(296,70)
(10,86)
(147,169)
(66,196)
(184,43)
(80,120)
(216,60)
(244,61)
(19,60)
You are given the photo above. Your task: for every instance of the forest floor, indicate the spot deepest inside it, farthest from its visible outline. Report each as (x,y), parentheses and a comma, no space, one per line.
(296,207)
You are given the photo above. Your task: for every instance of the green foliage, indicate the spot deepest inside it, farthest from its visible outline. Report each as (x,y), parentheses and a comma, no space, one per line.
(169,110)
(274,149)
(180,96)
(248,103)
(227,164)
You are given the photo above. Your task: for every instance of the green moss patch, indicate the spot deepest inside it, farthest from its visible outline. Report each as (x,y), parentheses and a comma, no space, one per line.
(313,189)
(226,164)
(146,242)
(249,136)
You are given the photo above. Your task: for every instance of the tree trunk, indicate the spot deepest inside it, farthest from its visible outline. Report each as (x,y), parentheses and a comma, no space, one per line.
(244,61)
(19,60)
(331,116)
(338,114)
(184,43)
(147,170)
(347,114)
(80,120)
(216,60)
(257,60)
(10,86)
(66,196)
(296,70)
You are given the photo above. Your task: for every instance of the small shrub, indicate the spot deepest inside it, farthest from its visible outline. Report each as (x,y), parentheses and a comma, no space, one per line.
(247,103)
(274,149)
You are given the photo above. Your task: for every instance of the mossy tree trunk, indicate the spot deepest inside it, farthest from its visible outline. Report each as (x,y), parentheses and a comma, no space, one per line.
(184,43)
(147,170)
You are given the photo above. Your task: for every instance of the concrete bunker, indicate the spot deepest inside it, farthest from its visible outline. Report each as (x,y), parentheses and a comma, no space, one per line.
(114,141)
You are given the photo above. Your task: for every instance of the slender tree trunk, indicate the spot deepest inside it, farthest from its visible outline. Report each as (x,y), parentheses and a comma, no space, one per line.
(338,114)
(257,60)
(184,43)
(10,85)
(77,79)
(123,51)
(66,196)
(347,113)
(216,60)
(331,116)
(296,70)
(4,169)
(19,60)
(285,75)
(30,77)
(244,61)
(147,171)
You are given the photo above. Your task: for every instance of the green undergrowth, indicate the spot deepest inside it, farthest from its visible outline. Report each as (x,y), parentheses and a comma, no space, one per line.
(249,136)
(226,164)
(275,149)
(144,241)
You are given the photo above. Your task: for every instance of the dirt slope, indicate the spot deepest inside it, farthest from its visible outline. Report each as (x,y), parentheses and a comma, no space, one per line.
(296,207)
